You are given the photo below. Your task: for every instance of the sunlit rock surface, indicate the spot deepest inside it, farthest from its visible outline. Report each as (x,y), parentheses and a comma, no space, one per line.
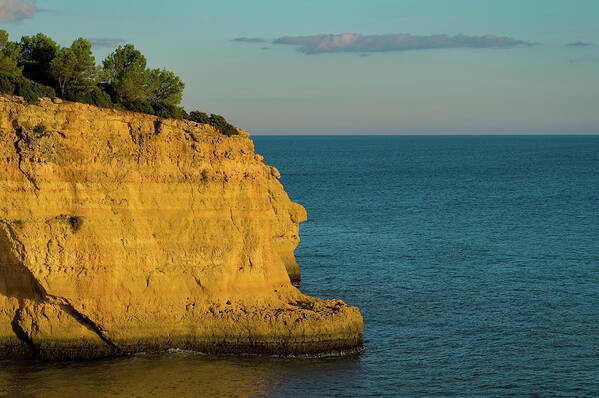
(122,232)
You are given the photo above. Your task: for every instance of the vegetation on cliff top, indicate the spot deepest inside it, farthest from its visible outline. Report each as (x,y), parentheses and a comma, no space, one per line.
(38,67)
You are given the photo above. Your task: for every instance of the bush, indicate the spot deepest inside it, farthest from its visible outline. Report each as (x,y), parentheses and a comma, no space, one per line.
(101,98)
(76,223)
(28,93)
(221,124)
(199,117)
(40,130)
(76,96)
(169,111)
(6,84)
(109,90)
(97,96)
(216,121)
(139,106)
(32,91)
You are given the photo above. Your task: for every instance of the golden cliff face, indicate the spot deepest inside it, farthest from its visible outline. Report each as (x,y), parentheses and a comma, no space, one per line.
(123,232)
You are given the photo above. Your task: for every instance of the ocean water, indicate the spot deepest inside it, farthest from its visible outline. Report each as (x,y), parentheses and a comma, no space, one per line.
(474,260)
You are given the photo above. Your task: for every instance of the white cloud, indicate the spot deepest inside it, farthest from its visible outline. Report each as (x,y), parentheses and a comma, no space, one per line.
(16,10)
(249,40)
(579,44)
(355,42)
(106,42)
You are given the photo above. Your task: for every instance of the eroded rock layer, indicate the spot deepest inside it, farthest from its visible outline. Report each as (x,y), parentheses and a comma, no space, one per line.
(122,232)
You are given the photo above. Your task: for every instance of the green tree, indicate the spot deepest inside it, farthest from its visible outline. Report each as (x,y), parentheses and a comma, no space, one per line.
(75,68)
(125,71)
(164,86)
(63,68)
(9,54)
(37,53)
(3,39)
(86,73)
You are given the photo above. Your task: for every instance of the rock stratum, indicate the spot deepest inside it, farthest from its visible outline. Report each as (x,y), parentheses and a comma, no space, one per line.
(123,232)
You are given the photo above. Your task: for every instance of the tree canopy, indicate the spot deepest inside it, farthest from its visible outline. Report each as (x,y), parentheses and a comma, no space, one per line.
(3,39)
(165,86)
(38,67)
(75,68)
(63,68)
(9,54)
(37,53)
(125,71)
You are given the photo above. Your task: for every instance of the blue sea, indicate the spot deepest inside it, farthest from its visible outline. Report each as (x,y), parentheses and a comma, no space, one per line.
(474,260)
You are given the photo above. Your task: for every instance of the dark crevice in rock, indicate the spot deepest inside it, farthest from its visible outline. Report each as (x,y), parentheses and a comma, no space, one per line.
(67,307)
(234,224)
(20,137)
(22,335)
(305,305)
(137,139)
(192,136)
(157,127)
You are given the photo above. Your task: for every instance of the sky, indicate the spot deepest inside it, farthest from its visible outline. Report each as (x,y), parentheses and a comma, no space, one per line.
(355,66)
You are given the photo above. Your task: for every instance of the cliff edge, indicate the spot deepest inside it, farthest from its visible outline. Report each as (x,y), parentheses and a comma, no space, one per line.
(122,232)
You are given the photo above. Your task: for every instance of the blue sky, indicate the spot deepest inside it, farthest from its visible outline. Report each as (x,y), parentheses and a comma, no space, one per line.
(276,89)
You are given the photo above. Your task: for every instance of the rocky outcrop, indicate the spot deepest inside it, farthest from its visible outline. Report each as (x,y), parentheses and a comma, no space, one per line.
(122,232)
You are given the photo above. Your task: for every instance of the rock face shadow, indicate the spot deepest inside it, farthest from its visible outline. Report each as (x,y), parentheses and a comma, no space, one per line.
(16,280)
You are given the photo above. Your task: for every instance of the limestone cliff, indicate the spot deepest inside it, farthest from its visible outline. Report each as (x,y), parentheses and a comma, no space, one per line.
(122,232)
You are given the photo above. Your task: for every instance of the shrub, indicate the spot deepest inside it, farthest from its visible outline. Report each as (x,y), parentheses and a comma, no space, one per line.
(6,85)
(109,90)
(32,91)
(169,111)
(40,130)
(97,96)
(221,124)
(199,117)
(28,93)
(217,121)
(76,96)
(76,223)
(139,106)
(101,98)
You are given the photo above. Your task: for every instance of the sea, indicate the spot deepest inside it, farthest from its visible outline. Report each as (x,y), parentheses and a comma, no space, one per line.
(473,259)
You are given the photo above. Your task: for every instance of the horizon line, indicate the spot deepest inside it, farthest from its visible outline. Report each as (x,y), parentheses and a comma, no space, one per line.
(419,134)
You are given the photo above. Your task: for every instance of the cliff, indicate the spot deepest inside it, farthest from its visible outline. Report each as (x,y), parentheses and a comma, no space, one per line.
(122,232)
